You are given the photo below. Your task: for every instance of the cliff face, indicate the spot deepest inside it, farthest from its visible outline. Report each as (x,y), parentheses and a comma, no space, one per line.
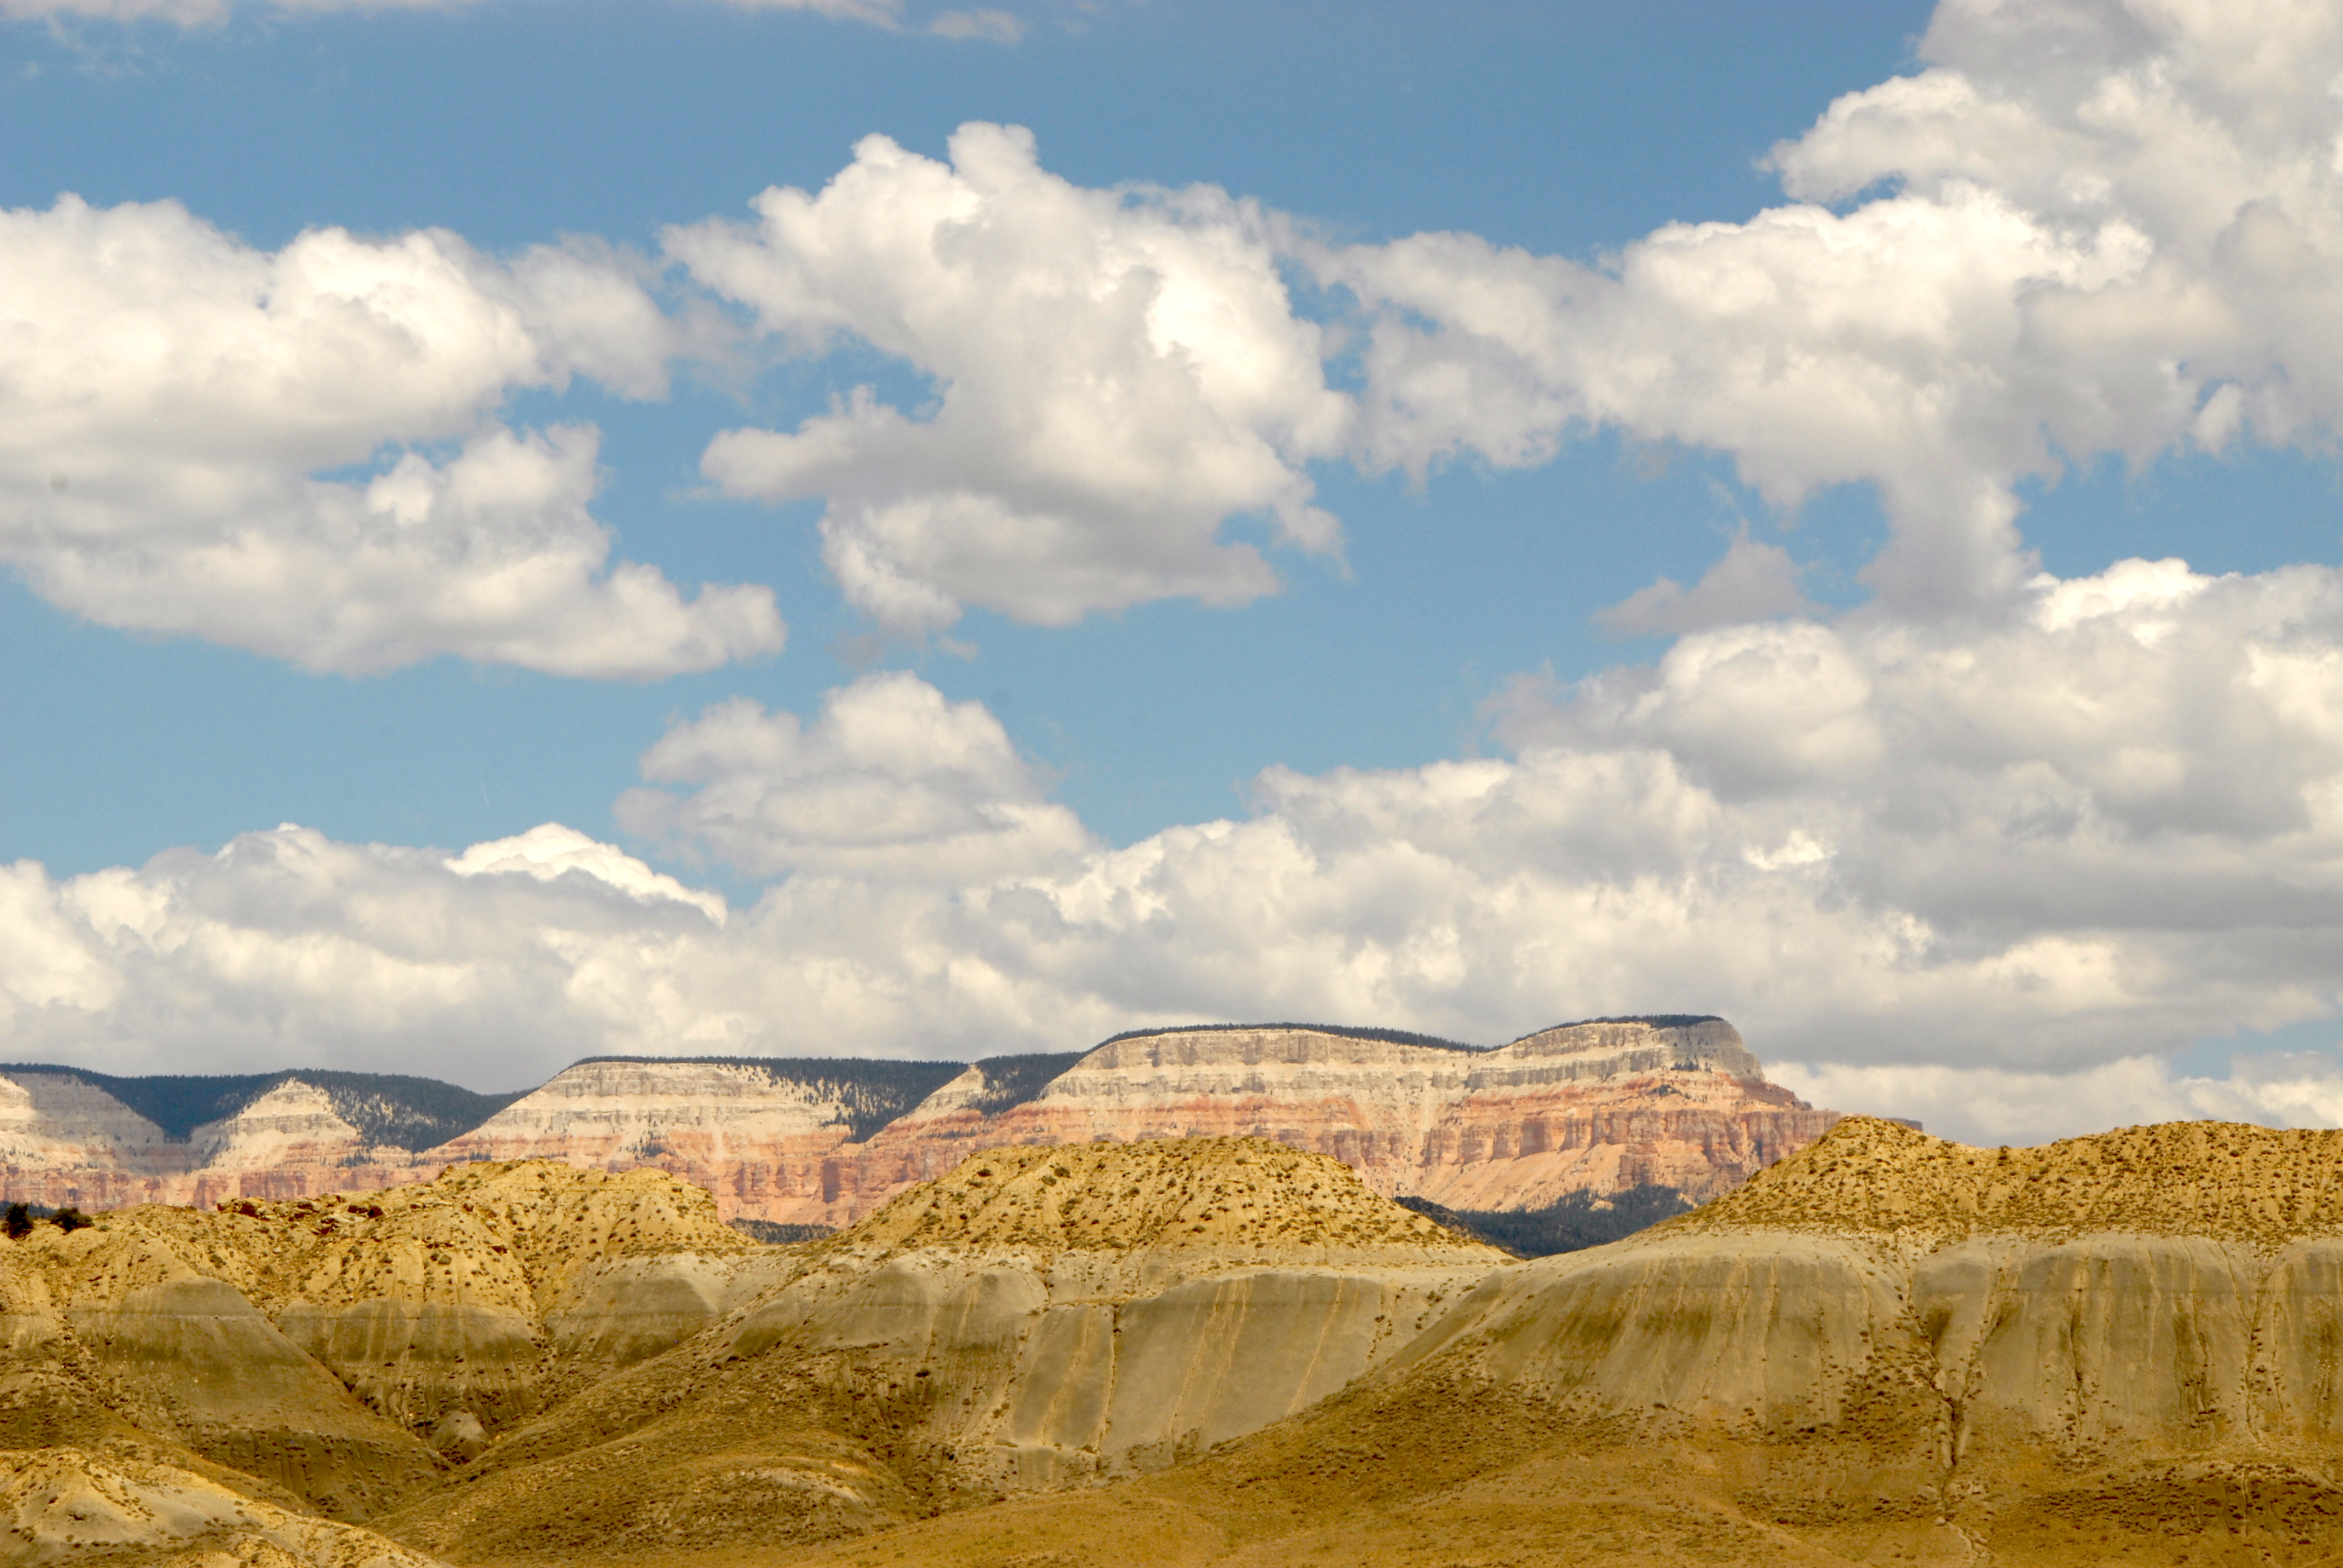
(1597,1107)
(73,1137)
(63,1141)
(731,1126)
(1589,1107)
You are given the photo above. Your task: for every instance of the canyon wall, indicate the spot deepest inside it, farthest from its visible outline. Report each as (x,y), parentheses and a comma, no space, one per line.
(1595,1107)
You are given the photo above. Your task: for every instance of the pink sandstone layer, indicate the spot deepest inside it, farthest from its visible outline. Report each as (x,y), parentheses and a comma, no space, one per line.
(1595,1107)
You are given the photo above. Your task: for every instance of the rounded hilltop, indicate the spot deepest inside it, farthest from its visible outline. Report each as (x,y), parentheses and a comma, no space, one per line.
(1217,1193)
(503,1231)
(2220,1180)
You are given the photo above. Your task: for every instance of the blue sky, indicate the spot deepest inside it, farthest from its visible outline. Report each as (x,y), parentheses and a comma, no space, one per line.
(1948,829)
(1566,128)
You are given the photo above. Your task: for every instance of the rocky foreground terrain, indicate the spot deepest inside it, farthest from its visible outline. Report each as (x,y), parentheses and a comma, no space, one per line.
(1599,1107)
(1883,1349)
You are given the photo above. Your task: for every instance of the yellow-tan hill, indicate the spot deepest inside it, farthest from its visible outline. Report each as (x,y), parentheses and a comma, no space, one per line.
(1886,1348)
(340,1350)
(1035,1317)
(1221,1196)
(2218,1180)
(65,1505)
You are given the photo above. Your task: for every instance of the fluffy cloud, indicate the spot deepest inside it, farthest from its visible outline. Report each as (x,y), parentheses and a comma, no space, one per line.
(1117,374)
(2003,1105)
(179,410)
(891,781)
(1753,581)
(286,948)
(1992,878)
(2096,832)
(2108,226)
(2104,226)
(552,851)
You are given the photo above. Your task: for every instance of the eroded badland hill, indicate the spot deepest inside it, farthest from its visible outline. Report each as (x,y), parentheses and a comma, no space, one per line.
(1883,1349)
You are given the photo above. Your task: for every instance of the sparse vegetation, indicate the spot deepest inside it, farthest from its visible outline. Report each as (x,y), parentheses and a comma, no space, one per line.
(1656,1020)
(1343,1031)
(1579,1220)
(872,1091)
(1012,1081)
(773,1233)
(386,1108)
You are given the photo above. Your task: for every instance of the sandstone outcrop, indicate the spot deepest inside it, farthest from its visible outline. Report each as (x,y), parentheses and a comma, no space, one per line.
(757,1133)
(1600,1107)
(85,1139)
(1597,1107)
(1594,1105)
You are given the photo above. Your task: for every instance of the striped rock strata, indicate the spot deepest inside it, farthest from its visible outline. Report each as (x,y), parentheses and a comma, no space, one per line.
(1599,1106)
(1591,1107)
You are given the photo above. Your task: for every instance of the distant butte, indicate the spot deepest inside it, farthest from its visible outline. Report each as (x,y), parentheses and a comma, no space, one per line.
(1600,1107)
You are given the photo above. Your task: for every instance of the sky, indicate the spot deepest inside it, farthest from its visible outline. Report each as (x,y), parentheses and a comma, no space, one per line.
(537,529)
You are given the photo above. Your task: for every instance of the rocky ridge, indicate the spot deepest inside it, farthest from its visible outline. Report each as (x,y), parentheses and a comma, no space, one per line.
(2215,1181)
(1598,1107)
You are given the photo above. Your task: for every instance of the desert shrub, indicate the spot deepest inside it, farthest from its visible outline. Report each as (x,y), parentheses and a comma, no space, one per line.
(18,1221)
(69,1220)
(773,1233)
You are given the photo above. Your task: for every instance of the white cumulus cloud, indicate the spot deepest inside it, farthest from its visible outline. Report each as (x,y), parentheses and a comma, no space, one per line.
(1992,1105)
(1751,581)
(179,413)
(1117,374)
(2088,227)
(1991,876)
(551,852)
(892,779)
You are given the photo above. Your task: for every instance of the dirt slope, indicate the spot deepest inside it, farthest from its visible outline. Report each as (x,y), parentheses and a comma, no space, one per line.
(1037,1317)
(65,1505)
(330,1357)
(1887,1348)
